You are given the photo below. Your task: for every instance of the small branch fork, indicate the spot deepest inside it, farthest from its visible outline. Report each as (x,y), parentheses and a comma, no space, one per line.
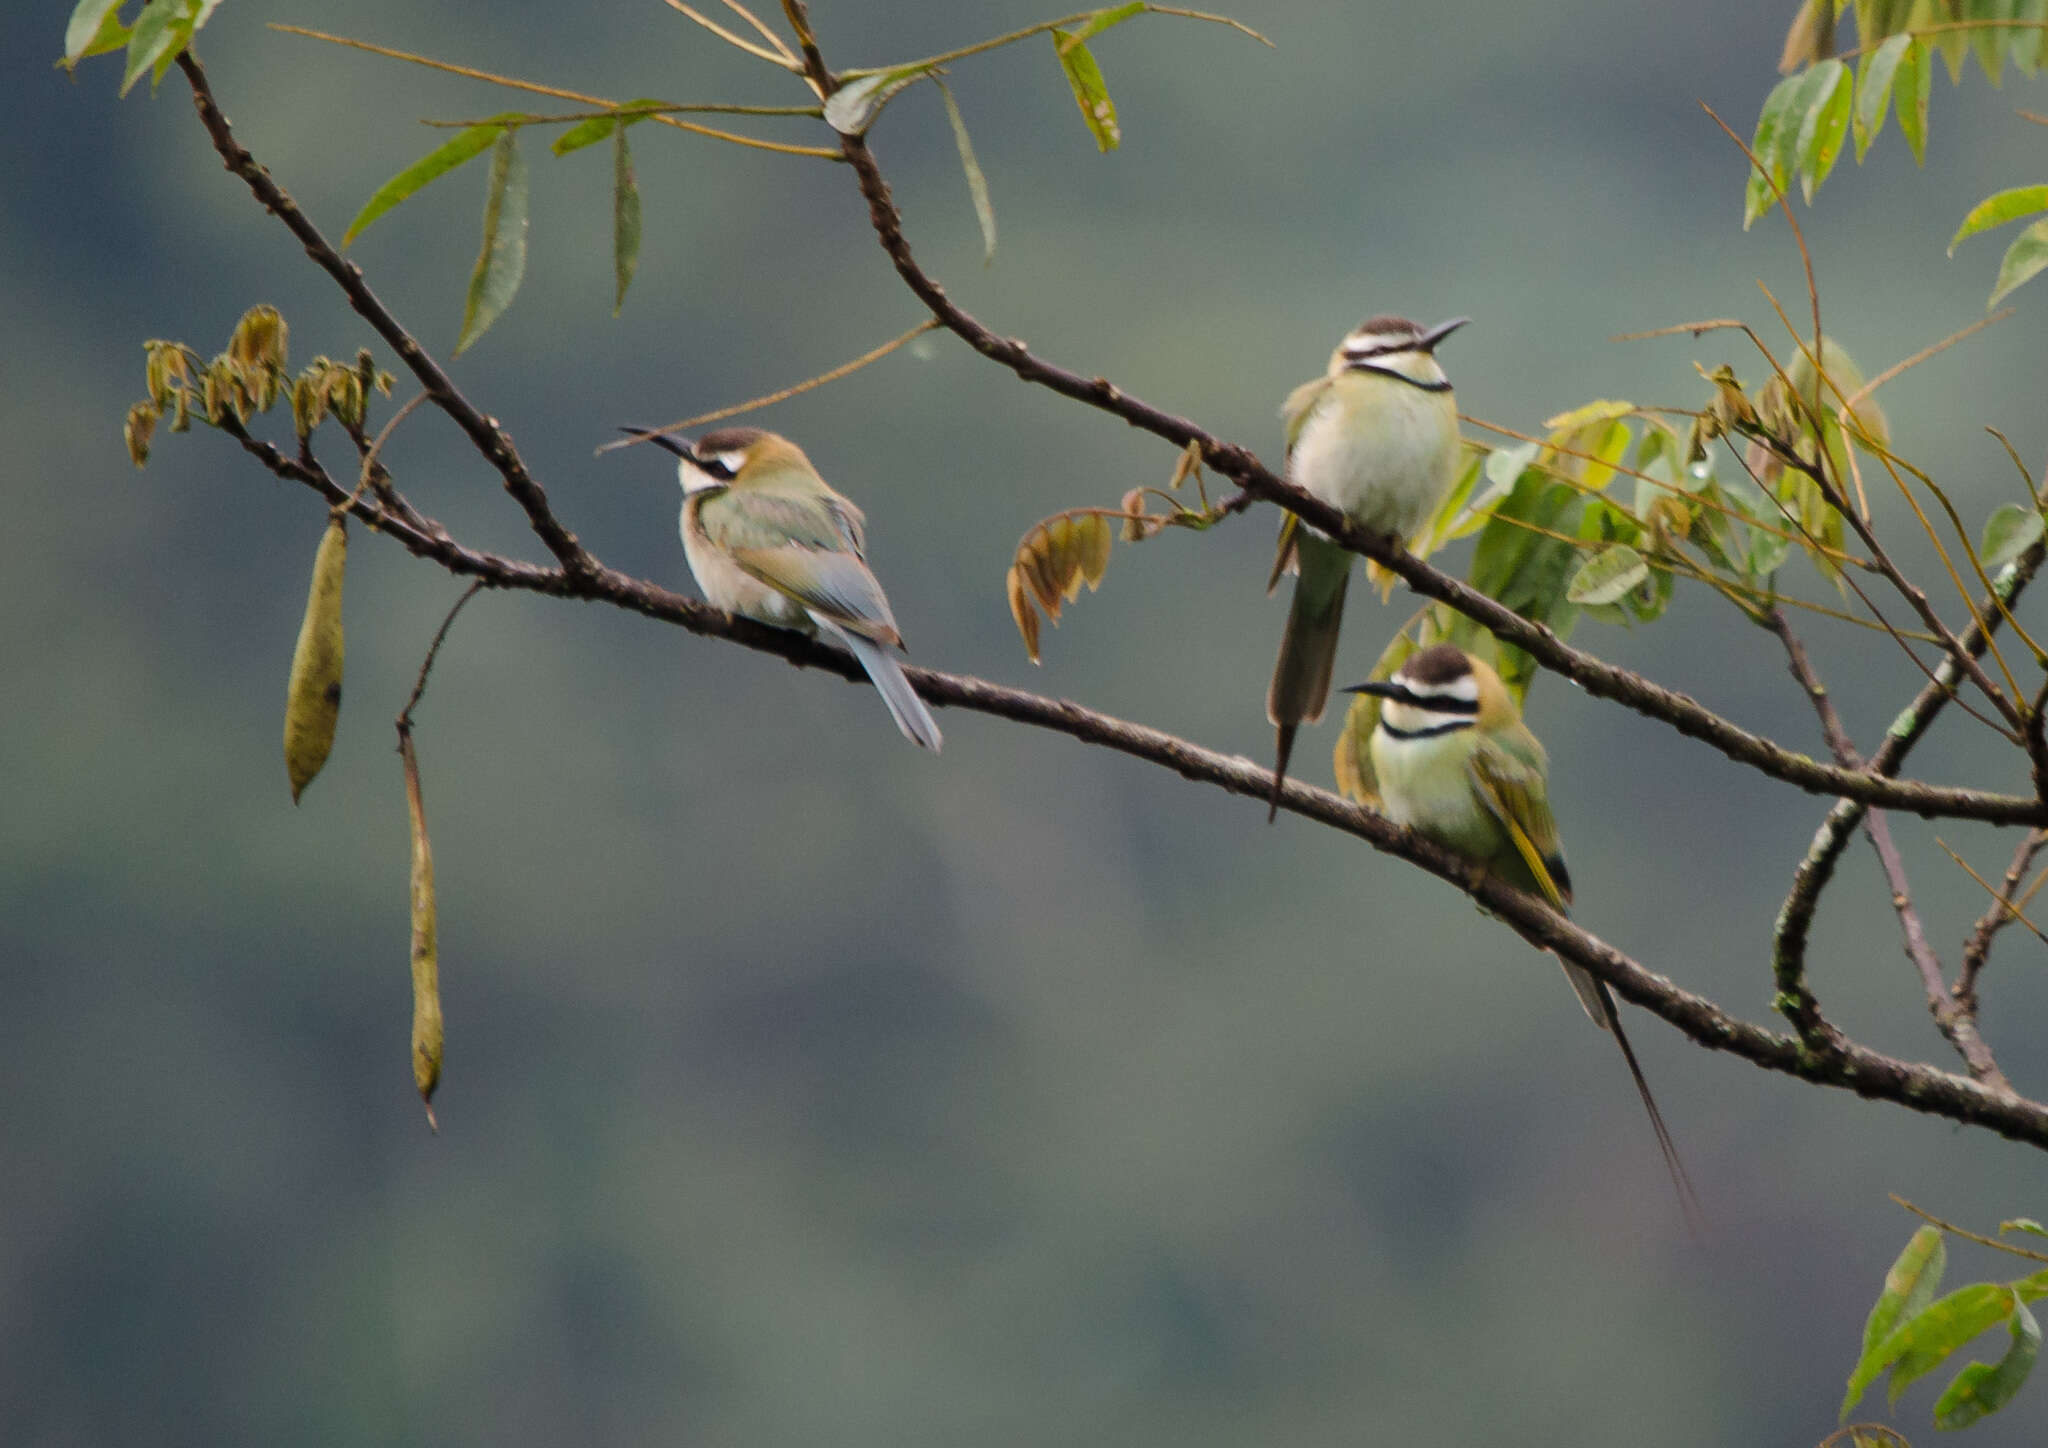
(577,574)
(1956,1024)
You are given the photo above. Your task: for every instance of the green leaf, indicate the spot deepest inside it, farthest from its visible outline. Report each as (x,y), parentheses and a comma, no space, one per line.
(1604,409)
(1874,89)
(852,108)
(1824,99)
(2010,531)
(1910,91)
(599,128)
(1101,20)
(464,146)
(1984,1388)
(977,184)
(584,133)
(1504,466)
(2023,1224)
(1930,1338)
(1091,93)
(1990,41)
(625,218)
(1606,576)
(1909,1286)
(501,265)
(161,30)
(1773,124)
(2025,257)
(2027,44)
(95,29)
(1999,208)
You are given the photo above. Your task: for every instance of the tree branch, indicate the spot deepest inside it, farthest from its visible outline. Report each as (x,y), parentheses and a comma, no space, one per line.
(1841,1063)
(1997,915)
(1599,678)
(1811,877)
(490,439)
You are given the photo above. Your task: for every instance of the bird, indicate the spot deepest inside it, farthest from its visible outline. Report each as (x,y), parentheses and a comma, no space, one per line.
(1375,437)
(1456,764)
(769,539)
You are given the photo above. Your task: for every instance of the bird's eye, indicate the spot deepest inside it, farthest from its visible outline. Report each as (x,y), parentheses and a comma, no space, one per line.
(729,463)
(721,466)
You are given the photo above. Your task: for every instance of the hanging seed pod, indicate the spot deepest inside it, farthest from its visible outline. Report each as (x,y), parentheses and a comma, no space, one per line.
(313,696)
(427,1031)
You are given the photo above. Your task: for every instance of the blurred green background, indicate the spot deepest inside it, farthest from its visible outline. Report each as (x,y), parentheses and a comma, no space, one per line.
(806,1089)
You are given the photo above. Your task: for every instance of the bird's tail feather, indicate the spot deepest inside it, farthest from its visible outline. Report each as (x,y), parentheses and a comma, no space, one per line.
(1308,649)
(905,707)
(1610,1017)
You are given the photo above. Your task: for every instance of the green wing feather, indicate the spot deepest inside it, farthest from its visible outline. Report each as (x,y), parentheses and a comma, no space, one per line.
(1508,775)
(834,584)
(1294,412)
(770,518)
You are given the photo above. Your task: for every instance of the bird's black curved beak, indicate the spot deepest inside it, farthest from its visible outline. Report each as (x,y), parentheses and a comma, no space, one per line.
(1436,334)
(659,438)
(1382,688)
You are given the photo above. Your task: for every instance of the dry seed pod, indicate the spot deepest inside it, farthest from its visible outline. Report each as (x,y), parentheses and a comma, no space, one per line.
(1136,529)
(427,1029)
(138,429)
(313,696)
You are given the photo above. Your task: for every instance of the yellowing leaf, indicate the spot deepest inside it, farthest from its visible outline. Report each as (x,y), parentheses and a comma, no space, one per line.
(1091,92)
(1055,559)
(313,694)
(1605,409)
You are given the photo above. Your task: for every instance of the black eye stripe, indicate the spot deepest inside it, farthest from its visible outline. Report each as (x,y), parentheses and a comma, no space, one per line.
(718,467)
(1436,703)
(1428,731)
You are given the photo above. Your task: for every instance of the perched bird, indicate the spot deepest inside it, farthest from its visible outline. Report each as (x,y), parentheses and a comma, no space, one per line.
(1376,437)
(768,538)
(1456,764)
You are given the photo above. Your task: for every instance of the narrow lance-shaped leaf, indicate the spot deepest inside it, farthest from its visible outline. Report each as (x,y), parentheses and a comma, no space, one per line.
(1911,89)
(427,1027)
(2023,1224)
(160,31)
(1983,1388)
(313,694)
(501,264)
(2027,42)
(599,128)
(1091,92)
(2010,531)
(625,218)
(1824,99)
(977,184)
(1989,41)
(1874,90)
(463,146)
(2024,259)
(1999,208)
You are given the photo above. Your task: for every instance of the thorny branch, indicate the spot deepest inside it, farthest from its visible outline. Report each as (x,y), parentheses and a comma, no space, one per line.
(579,575)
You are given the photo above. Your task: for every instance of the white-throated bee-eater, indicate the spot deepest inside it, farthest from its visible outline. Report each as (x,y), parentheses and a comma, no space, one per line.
(1376,437)
(769,539)
(1456,764)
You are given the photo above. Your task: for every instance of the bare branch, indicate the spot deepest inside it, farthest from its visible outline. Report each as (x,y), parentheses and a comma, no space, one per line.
(2001,911)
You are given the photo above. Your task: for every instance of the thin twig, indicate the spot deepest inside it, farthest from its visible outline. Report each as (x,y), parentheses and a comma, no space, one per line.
(714,108)
(784,61)
(1798,235)
(1242,467)
(719,413)
(1968,1236)
(556,91)
(781,45)
(419,685)
(2004,907)
(369,467)
(1999,901)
